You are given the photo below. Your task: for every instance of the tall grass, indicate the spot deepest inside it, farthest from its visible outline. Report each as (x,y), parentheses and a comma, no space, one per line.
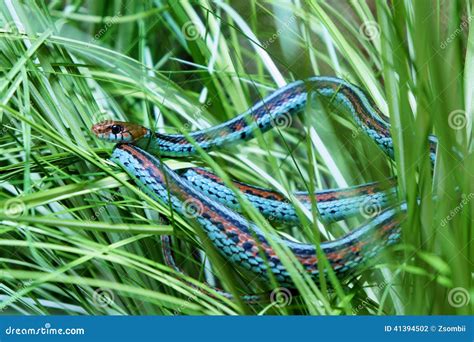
(76,235)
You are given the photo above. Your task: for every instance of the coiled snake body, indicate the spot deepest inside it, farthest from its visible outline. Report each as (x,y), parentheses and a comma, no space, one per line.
(239,240)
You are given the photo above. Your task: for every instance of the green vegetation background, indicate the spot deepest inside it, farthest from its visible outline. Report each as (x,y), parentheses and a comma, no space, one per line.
(77,237)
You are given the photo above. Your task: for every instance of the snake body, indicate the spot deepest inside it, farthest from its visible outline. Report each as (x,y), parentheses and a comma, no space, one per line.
(265,114)
(239,240)
(284,102)
(332,205)
(243,242)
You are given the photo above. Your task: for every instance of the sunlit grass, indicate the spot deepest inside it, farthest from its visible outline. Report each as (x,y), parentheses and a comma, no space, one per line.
(78,237)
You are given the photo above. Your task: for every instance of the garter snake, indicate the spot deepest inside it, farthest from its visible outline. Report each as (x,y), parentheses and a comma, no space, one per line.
(238,239)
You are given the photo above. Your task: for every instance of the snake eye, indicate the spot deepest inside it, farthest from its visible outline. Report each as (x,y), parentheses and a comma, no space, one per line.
(116,129)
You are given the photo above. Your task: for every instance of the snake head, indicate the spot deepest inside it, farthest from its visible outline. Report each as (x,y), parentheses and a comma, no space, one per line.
(119,131)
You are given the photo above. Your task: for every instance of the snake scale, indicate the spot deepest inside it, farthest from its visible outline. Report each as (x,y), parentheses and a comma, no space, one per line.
(235,237)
